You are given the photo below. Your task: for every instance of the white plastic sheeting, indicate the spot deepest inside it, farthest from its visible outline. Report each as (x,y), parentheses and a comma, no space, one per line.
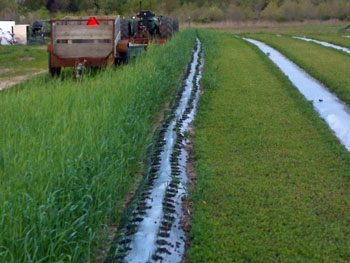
(326,44)
(329,107)
(143,245)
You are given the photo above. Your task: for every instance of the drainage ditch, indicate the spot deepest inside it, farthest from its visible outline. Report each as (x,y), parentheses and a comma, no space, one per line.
(329,107)
(152,230)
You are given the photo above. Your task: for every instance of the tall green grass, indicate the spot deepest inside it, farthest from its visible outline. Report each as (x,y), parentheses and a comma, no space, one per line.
(70,152)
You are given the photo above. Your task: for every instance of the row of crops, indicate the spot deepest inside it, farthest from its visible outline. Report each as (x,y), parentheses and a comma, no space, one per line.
(272,179)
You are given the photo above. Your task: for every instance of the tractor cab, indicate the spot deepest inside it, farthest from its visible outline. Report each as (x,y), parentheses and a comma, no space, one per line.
(146,18)
(147,22)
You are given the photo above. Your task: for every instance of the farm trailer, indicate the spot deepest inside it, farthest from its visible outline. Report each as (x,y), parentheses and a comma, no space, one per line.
(85,42)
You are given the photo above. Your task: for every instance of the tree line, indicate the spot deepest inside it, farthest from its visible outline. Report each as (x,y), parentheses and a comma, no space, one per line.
(195,10)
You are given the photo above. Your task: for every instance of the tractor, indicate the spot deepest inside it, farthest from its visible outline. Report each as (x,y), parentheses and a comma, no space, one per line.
(142,29)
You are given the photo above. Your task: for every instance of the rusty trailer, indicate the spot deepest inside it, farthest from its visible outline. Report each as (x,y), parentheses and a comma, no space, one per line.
(85,42)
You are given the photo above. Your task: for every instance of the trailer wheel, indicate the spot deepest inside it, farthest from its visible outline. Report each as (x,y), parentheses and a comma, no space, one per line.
(53,71)
(124,57)
(125,28)
(167,28)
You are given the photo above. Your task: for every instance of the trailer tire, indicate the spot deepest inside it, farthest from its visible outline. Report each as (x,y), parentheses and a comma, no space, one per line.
(123,59)
(167,28)
(125,28)
(53,70)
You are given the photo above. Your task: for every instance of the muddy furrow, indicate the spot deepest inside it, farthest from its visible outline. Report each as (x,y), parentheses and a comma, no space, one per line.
(325,44)
(153,232)
(334,112)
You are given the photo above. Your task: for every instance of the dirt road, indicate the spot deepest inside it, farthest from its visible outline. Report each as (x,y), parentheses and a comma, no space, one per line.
(8,83)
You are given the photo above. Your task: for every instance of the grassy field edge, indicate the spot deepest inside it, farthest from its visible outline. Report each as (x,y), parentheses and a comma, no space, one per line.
(226,227)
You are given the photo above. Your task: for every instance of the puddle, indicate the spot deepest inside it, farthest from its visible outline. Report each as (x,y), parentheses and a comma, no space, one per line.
(330,108)
(326,44)
(153,231)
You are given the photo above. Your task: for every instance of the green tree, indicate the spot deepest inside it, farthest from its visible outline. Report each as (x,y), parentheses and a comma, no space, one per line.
(3,4)
(171,5)
(35,4)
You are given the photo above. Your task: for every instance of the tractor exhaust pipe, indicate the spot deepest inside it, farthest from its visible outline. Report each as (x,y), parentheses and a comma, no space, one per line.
(140,6)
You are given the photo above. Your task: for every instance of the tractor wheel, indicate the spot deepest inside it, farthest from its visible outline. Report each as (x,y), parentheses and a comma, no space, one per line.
(53,71)
(176,25)
(167,28)
(125,28)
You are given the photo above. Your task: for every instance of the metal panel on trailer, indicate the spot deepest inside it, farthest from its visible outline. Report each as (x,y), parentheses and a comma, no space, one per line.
(81,50)
(74,42)
(82,40)
(83,32)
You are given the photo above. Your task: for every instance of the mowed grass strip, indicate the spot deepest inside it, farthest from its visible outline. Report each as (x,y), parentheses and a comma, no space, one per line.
(327,65)
(273,182)
(70,153)
(21,60)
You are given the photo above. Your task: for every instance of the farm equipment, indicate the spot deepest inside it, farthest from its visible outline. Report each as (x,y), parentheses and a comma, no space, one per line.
(145,28)
(97,42)
(39,32)
(84,42)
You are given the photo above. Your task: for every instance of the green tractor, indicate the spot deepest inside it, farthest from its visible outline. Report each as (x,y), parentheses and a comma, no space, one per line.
(146,27)
(140,30)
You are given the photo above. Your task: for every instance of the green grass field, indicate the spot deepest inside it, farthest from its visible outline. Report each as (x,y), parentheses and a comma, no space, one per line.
(288,28)
(273,182)
(328,65)
(22,60)
(71,151)
(332,33)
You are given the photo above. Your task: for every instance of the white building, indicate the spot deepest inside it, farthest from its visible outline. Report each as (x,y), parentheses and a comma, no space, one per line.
(9,32)
(6,26)
(21,34)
